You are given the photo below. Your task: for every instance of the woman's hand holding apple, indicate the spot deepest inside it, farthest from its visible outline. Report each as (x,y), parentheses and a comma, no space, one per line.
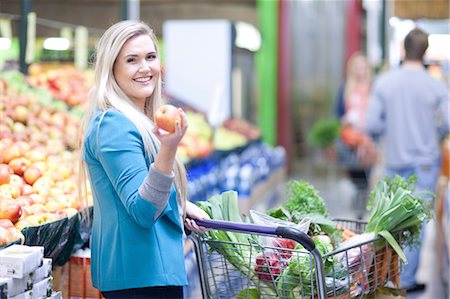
(170,125)
(165,159)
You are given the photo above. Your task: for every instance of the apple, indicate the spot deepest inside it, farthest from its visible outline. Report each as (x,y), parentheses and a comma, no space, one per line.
(31,174)
(35,209)
(5,173)
(9,191)
(16,235)
(6,223)
(5,237)
(10,153)
(23,147)
(20,114)
(54,205)
(41,165)
(43,185)
(18,165)
(60,213)
(22,223)
(30,220)
(166,117)
(71,212)
(10,211)
(35,155)
(26,189)
(24,201)
(17,181)
(38,199)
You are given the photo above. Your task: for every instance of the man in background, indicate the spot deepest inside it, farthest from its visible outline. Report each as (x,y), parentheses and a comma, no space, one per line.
(409,109)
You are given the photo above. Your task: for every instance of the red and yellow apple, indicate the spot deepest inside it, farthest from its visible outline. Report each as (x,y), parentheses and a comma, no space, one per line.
(10,211)
(31,174)
(5,237)
(6,223)
(166,118)
(5,173)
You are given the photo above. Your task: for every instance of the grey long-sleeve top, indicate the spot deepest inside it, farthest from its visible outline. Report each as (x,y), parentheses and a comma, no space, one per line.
(411,110)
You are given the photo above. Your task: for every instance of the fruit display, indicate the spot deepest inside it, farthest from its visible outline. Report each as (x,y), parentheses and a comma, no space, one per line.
(250,131)
(197,142)
(225,139)
(38,183)
(65,82)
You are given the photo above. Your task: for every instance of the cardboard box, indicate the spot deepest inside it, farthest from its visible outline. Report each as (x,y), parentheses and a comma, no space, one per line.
(55,295)
(25,295)
(43,289)
(43,272)
(16,261)
(11,287)
(3,290)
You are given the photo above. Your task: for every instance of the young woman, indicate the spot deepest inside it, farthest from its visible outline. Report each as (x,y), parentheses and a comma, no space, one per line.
(138,185)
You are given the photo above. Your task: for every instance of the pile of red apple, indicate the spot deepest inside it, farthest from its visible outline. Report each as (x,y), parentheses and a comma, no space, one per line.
(37,179)
(65,82)
(197,142)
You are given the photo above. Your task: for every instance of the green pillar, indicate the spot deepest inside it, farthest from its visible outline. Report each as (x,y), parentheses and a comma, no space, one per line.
(267,69)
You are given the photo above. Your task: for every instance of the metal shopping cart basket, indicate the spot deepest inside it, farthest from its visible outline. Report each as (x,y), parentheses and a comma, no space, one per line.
(358,173)
(350,272)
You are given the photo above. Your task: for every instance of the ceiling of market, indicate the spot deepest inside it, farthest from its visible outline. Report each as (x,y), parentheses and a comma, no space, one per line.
(97,15)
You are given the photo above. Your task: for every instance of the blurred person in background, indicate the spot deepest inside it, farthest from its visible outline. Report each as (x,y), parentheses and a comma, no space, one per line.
(138,185)
(353,94)
(355,149)
(409,109)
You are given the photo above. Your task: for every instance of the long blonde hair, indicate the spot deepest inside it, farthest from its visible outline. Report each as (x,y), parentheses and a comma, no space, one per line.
(355,65)
(106,94)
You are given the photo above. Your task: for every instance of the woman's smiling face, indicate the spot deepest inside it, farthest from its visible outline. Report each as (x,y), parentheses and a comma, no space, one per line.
(137,68)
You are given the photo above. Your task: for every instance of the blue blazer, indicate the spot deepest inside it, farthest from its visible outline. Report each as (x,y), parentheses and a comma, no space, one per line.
(129,248)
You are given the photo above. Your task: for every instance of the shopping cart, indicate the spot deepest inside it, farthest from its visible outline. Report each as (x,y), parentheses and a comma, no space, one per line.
(358,173)
(346,273)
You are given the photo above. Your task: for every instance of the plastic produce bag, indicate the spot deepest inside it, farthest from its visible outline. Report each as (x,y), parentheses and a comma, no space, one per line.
(263,219)
(49,235)
(67,242)
(276,251)
(358,255)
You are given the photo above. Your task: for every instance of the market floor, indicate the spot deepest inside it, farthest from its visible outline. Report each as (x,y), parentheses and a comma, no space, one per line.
(338,191)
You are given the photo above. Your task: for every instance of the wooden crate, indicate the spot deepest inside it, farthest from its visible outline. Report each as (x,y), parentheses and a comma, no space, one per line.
(80,283)
(422,9)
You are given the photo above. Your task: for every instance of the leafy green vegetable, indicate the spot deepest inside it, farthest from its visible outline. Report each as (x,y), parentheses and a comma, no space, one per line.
(324,132)
(304,199)
(394,207)
(305,202)
(249,293)
(301,272)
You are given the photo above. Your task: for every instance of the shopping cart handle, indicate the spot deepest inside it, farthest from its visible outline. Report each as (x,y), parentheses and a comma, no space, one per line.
(280,231)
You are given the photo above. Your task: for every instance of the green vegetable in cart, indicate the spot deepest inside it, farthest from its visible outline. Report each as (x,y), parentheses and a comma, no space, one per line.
(304,201)
(301,270)
(395,208)
(234,247)
(324,132)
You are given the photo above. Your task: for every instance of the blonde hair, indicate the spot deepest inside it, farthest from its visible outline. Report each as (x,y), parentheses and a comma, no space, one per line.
(106,94)
(354,77)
